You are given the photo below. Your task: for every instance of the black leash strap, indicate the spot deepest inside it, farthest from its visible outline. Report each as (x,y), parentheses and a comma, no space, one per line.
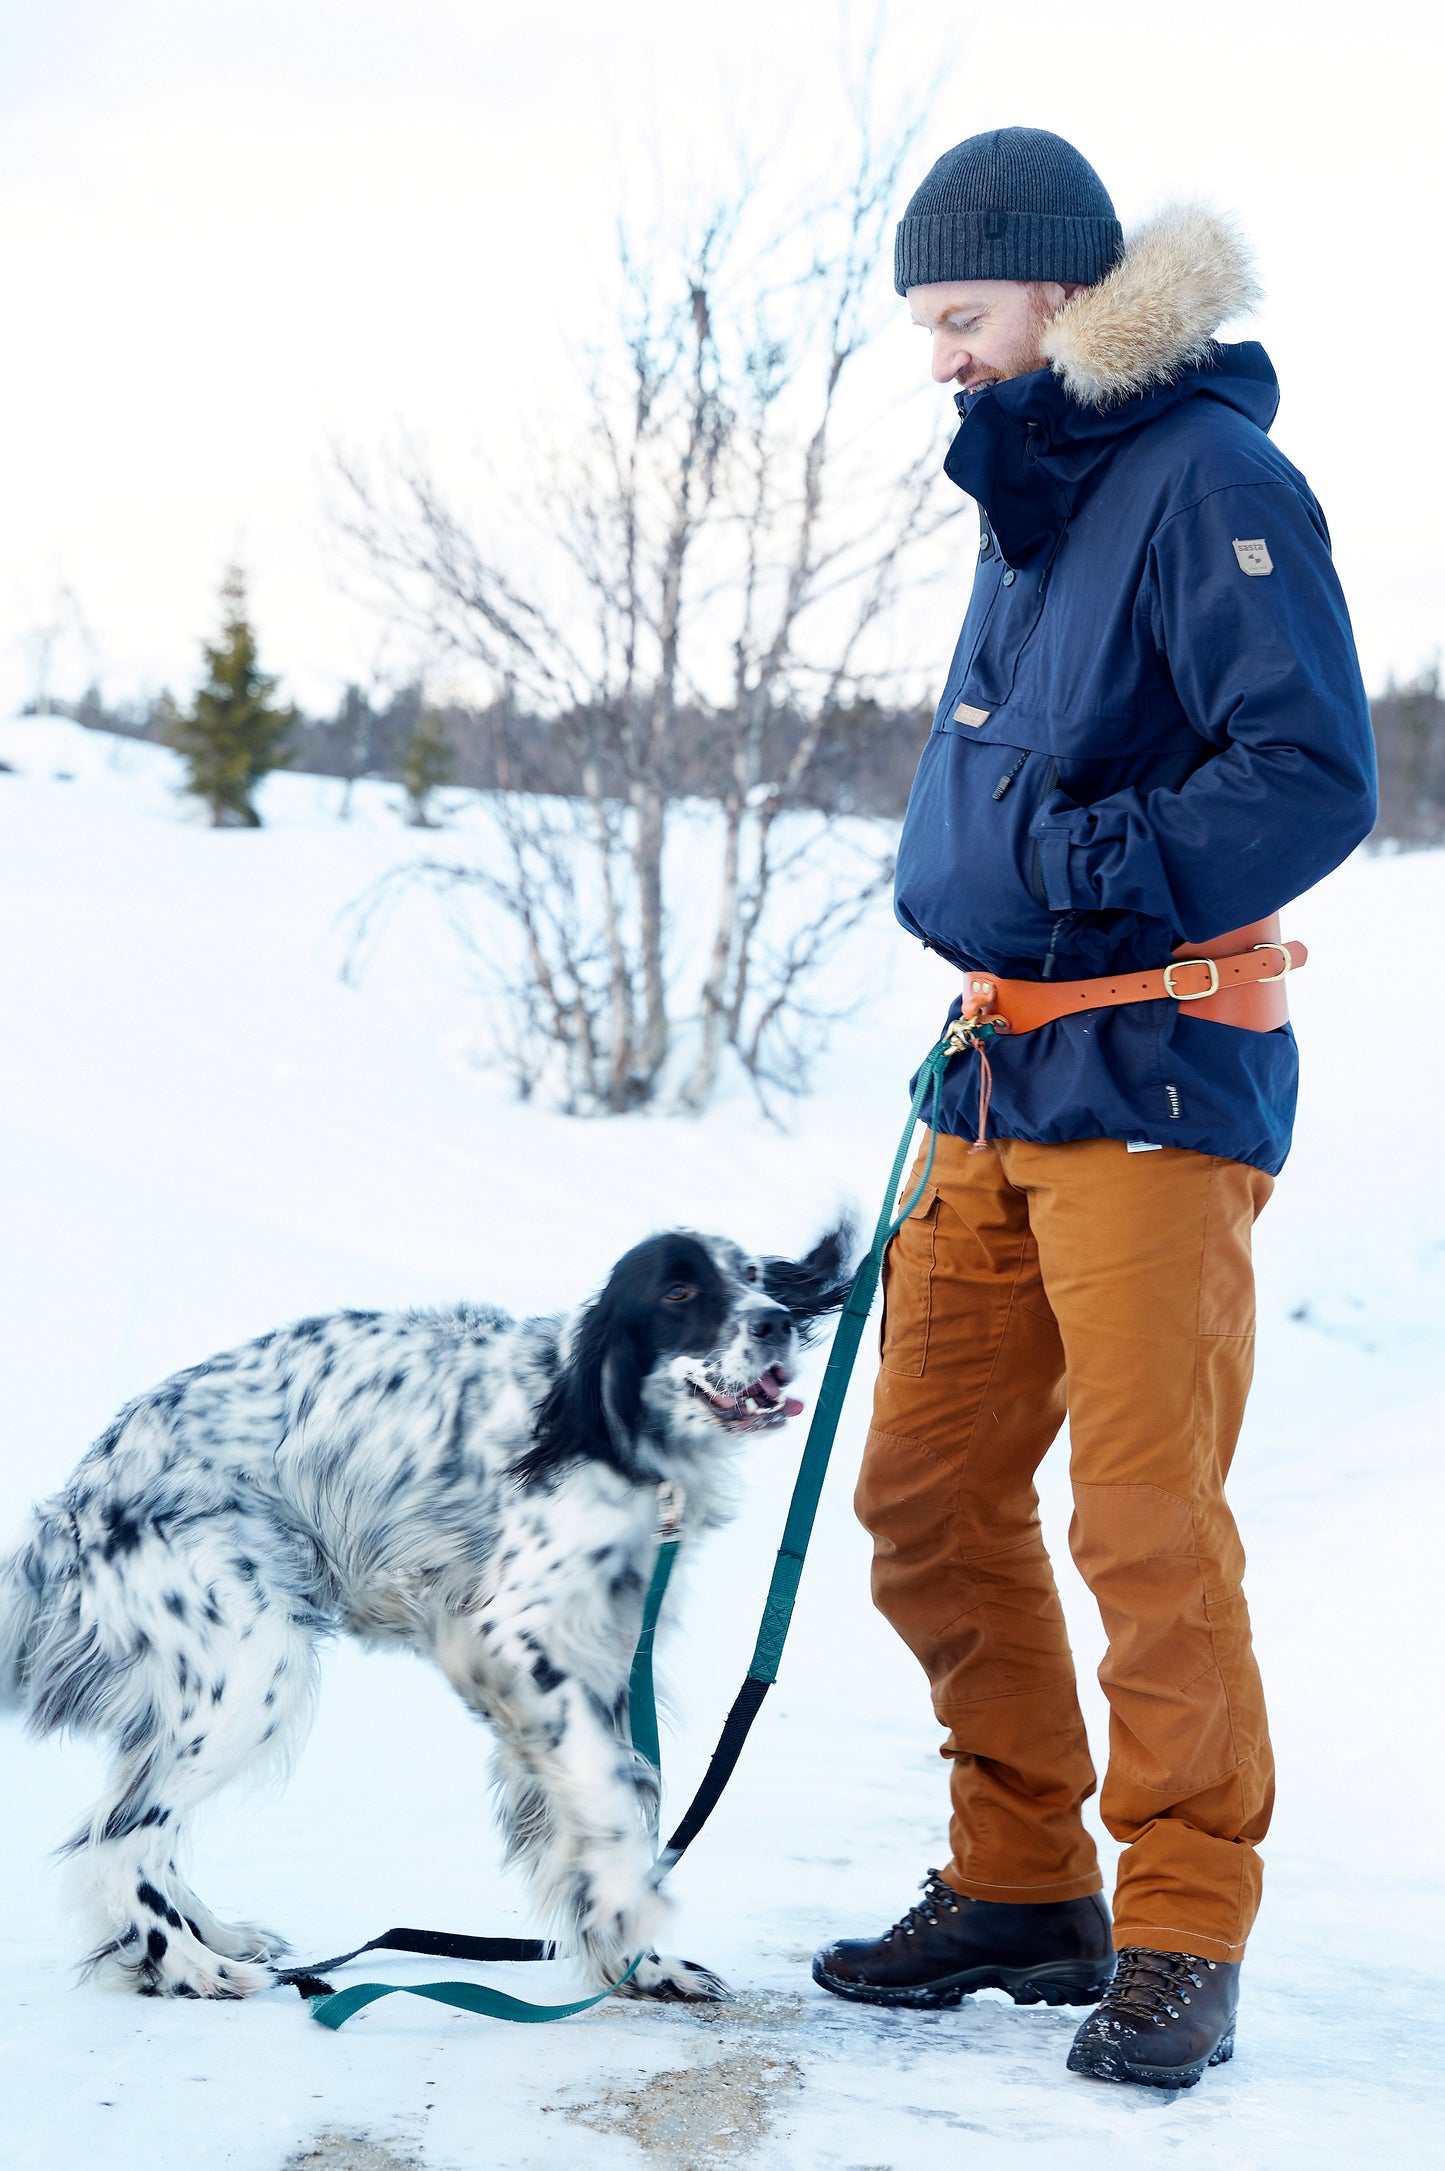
(436,1944)
(746,1706)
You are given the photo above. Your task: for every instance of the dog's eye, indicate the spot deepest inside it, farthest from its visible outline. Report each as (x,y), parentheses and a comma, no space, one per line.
(750,1273)
(681,1292)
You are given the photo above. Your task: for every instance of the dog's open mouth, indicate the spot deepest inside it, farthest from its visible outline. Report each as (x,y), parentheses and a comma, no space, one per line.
(753,1408)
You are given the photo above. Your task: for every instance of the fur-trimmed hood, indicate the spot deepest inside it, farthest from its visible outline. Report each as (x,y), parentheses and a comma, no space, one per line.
(1184,272)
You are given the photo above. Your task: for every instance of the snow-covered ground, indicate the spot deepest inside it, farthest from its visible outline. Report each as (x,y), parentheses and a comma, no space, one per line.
(202,1132)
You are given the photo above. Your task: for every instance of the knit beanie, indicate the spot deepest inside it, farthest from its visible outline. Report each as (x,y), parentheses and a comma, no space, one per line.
(1015,203)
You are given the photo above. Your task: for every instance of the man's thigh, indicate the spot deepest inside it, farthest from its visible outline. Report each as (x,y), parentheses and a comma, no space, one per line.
(970,1385)
(1145,1262)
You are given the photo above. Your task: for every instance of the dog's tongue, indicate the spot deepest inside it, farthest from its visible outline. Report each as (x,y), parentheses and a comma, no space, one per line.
(792,1407)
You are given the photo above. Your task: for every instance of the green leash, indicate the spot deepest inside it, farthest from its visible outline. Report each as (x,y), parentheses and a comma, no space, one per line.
(335,2007)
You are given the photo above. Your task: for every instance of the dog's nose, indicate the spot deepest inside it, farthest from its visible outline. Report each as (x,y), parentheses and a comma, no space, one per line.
(770,1324)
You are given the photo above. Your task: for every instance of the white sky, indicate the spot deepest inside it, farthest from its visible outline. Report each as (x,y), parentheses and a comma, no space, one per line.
(233,231)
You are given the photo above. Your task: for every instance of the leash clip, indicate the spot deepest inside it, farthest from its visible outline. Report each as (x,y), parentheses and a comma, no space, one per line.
(671,1501)
(973,1031)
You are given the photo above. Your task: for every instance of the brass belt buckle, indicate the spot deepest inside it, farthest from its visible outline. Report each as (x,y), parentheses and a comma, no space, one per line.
(1177,964)
(1286,966)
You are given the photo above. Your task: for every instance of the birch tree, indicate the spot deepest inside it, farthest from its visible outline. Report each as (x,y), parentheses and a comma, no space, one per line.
(718,542)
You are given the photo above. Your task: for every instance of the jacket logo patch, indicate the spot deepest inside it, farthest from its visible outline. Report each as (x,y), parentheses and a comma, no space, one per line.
(963,714)
(1254,557)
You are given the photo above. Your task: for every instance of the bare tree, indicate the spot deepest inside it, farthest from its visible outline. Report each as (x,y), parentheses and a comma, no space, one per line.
(719,543)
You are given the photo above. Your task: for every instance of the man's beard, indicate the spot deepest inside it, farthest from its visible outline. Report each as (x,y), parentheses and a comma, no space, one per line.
(1024,357)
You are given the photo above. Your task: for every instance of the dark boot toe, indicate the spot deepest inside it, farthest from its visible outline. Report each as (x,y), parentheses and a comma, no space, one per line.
(947,1945)
(1166,2018)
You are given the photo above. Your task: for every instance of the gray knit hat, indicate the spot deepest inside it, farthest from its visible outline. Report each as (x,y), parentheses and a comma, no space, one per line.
(1015,203)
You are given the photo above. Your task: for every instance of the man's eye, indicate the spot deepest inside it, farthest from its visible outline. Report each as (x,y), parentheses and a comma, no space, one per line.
(680,1292)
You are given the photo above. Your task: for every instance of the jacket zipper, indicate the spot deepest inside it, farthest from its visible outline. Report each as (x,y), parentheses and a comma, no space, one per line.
(1010,773)
(1063,920)
(1036,867)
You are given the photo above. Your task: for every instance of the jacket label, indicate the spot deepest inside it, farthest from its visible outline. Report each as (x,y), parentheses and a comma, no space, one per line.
(963,714)
(1254,557)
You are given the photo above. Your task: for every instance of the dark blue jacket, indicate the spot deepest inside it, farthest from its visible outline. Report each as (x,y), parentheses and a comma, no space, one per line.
(1148,735)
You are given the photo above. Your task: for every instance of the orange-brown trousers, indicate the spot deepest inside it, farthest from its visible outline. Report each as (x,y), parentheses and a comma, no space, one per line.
(1030,1280)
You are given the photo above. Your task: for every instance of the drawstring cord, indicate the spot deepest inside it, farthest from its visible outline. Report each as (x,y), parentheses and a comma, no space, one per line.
(975,1027)
(985,1095)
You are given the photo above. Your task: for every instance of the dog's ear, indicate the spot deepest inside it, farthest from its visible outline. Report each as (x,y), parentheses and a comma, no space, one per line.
(817,1283)
(595,1402)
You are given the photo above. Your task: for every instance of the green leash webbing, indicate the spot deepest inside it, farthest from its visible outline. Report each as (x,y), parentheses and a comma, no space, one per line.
(334,2011)
(337,2007)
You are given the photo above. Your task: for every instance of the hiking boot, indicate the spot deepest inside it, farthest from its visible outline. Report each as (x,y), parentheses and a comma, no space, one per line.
(1164,2018)
(1051,1952)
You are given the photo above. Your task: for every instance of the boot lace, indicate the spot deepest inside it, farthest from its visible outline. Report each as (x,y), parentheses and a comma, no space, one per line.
(1153,1986)
(936,1895)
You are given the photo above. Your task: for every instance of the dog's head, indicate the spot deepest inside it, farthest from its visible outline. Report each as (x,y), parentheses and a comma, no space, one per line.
(691,1337)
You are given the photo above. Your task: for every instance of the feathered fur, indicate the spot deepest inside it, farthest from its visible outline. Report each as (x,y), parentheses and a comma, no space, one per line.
(479,1488)
(1183,273)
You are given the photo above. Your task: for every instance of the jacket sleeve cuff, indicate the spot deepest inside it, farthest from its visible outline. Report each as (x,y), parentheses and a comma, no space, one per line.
(1062,890)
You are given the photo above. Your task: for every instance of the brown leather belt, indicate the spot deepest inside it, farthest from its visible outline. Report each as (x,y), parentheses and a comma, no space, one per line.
(1235,979)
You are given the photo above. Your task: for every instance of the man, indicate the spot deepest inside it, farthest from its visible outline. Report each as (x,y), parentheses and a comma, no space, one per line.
(1153,733)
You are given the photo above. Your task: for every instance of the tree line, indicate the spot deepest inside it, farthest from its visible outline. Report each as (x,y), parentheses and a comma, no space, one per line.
(864,764)
(394,735)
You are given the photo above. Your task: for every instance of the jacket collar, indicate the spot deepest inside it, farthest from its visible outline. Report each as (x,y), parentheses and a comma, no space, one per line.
(1118,354)
(1183,274)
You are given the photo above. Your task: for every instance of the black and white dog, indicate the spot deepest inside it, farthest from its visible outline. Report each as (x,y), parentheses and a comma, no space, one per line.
(479,1488)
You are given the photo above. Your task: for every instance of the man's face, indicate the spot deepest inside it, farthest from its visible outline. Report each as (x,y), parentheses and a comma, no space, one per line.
(985,330)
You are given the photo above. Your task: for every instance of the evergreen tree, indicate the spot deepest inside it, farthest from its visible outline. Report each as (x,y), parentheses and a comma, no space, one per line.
(429,761)
(235,735)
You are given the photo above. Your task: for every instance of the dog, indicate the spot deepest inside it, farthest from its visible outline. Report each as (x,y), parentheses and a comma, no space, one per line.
(478,1488)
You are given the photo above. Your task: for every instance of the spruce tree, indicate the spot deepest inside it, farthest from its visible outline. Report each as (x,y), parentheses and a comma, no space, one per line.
(236,734)
(429,761)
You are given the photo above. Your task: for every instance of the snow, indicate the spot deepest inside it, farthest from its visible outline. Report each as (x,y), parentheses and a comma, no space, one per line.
(205,1132)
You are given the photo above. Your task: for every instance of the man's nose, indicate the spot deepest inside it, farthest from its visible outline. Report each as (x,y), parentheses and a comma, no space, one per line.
(769,1324)
(948,359)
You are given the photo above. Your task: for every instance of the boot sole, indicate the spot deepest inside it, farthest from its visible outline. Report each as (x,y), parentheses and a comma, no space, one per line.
(1108,2066)
(1057,1982)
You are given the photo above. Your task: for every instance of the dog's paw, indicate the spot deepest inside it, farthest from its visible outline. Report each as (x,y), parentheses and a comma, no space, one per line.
(203,1974)
(684,1982)
(157,1963)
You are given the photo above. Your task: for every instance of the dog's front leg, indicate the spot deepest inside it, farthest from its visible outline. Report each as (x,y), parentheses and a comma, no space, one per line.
(575,1800)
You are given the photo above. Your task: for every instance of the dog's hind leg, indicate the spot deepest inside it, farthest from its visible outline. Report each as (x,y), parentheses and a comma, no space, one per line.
(216,1695)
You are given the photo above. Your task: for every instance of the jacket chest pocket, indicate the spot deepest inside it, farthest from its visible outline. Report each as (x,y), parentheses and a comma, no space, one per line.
(1016,609)
(908,1290)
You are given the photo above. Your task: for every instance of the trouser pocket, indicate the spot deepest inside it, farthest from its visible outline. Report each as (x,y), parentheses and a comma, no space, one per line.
(908,1266)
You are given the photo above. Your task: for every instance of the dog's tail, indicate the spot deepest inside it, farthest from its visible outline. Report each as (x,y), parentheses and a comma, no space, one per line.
(31,1578)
